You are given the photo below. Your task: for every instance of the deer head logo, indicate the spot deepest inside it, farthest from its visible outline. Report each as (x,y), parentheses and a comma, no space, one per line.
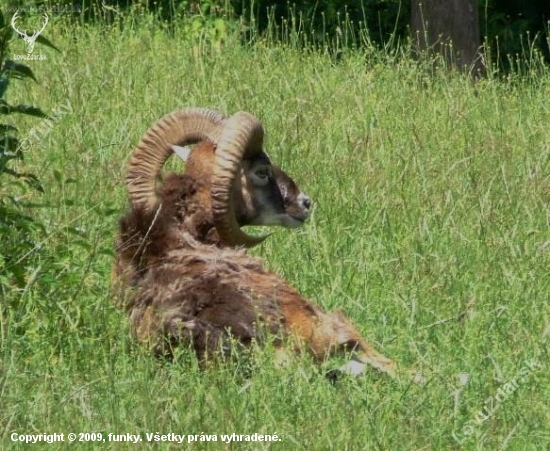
(29,40)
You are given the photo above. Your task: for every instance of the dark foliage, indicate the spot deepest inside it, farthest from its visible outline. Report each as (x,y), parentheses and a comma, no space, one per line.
(519,25)
(382,18)
(510,26)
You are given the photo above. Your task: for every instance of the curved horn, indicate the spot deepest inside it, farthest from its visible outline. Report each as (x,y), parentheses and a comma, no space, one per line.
(180,128)
(242,136)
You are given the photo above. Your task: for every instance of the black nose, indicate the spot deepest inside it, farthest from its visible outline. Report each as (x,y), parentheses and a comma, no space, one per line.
(306,202)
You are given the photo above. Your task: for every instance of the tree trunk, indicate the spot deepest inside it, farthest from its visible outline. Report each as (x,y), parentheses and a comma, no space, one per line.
(449,28)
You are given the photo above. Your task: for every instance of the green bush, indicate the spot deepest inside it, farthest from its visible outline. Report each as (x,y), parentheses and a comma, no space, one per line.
(17,226)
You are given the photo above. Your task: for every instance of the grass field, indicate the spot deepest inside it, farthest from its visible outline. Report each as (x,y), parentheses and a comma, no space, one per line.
(430,230)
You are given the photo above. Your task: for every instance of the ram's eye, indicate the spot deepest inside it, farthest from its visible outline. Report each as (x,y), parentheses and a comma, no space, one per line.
(263,173)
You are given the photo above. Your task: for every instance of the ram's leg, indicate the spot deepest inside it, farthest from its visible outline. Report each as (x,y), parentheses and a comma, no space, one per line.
(341,337)
(365,355)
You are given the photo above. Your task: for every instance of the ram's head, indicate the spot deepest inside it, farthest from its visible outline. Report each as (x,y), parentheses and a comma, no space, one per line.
(245,187)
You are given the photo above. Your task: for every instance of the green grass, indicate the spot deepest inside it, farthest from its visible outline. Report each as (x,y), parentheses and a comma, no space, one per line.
(430,231)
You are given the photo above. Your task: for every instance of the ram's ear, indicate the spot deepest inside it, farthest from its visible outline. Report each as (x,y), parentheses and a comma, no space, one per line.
(182,152)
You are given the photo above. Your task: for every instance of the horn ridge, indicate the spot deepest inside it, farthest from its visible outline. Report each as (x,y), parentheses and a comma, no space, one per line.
(242,136)
(181,128)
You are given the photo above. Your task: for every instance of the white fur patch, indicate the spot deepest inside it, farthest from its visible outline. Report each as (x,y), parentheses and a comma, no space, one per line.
(353,368)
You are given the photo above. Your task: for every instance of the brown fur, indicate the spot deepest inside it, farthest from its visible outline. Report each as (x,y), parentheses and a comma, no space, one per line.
(180,285)
(184,208)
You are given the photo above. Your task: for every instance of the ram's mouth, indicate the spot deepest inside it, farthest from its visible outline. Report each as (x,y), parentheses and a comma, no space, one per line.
(281,219)
(294,221)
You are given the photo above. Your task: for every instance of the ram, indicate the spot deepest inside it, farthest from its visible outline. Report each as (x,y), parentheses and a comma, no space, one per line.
(181,257)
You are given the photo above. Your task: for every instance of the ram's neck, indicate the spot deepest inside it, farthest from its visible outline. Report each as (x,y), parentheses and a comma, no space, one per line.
(186,203)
